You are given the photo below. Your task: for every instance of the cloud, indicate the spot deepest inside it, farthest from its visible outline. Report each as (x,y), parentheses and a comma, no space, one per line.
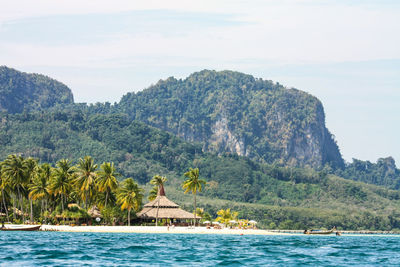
(280,31)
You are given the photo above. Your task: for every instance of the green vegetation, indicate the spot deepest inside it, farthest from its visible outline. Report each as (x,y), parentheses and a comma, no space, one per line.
(159,182)
(20,91)
(60,191)
(130,197)
(225,216)
(233,112)
(193,184)
(141,152)
(273,127)
(384,172)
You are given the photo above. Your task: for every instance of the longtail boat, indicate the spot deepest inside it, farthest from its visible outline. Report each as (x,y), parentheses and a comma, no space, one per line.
(12,227)
(319,232)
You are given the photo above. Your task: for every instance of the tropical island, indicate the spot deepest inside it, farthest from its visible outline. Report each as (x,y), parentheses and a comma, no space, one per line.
(263,150)
(84,195)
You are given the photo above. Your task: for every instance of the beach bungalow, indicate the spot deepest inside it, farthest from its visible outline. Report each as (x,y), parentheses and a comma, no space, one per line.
(163,208)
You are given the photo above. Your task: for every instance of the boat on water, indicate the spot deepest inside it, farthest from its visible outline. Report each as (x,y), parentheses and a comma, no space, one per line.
(319,232)
(20,227)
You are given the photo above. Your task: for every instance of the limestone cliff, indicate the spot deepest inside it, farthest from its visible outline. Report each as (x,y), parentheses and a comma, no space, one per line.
(234,112)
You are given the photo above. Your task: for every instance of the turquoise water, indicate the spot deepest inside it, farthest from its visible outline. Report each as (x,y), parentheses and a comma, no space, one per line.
(77,249)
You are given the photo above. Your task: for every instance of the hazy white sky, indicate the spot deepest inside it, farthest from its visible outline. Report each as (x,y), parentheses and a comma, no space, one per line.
(347,53)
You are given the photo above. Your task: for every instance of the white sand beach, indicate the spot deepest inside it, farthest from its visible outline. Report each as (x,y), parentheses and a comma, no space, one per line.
(153,229)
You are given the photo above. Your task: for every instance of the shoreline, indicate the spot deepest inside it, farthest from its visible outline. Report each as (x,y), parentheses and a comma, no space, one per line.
(155,230)
(190,230)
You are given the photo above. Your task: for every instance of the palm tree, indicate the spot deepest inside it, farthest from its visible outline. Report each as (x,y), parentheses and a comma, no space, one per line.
(158,181)
(31,165)
(39,189)
(205,216)
(224,216)
(153,193)
(4,186)
(15,170)
(193,184)
(86,178)
(200,212)
(130,197)
(107,181)
(61,182)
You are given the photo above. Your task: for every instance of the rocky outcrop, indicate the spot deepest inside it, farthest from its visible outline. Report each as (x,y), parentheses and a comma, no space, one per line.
(223,140)
(234,112)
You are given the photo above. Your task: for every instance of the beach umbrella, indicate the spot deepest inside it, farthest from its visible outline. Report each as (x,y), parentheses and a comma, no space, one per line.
(206,222)
(215,222)
(232,221)
(252,222)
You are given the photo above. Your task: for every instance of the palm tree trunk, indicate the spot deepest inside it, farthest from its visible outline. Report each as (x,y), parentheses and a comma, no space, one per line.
(194,209)
(129,217)
(86,200)
(21,202)
(41,207)
(22,209)
(4,203)
(62,202)
(62,206)
(14,217)
(158,207)
(105,206)
(31,210)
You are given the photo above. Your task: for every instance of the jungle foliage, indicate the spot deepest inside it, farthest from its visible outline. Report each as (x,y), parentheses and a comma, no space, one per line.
(141,151)
(40,120)
(21,91)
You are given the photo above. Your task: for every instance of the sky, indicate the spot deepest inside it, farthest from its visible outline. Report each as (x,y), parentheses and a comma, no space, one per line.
(345,52)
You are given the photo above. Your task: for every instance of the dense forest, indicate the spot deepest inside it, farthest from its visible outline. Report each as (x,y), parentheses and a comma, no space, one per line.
(383,172)
(21,91)
(141,151)
(269,156)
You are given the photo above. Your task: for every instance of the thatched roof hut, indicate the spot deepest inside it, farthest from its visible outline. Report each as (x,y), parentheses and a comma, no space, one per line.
(19,212)
(164,208)
(94,212)
(74,205)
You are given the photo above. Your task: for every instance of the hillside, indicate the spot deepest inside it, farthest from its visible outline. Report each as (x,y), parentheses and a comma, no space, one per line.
(384,172)
(141,151)
(246,136)
(233,112)
(21,91)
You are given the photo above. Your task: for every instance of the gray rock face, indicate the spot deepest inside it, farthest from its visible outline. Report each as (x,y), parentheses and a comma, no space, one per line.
(223,140)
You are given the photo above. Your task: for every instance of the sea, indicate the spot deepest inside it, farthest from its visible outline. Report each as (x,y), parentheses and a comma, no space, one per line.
(130,249)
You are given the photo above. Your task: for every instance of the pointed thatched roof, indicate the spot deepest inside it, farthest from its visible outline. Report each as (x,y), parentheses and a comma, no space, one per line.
(163,208)
(161,201)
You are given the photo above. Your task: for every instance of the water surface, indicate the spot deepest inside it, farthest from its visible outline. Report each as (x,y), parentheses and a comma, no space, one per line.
(122,249)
